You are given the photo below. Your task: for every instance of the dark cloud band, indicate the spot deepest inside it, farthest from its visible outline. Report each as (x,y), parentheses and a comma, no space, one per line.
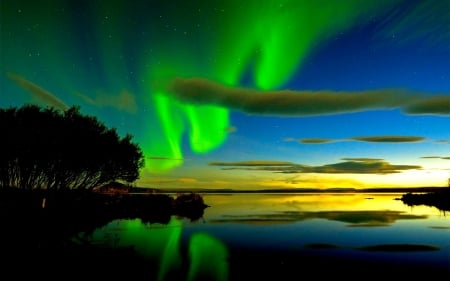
(304,103)
(389,139)
(380,139)
(352,166)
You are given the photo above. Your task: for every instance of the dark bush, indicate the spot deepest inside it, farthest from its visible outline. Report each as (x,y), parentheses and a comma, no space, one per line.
(44,148)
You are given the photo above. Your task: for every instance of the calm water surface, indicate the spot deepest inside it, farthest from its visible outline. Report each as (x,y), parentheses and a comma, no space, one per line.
(272,233)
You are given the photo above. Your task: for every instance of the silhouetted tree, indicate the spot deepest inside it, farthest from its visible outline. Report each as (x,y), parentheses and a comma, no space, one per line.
(43,148)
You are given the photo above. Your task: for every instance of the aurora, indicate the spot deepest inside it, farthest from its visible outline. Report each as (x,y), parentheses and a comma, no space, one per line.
(198,82)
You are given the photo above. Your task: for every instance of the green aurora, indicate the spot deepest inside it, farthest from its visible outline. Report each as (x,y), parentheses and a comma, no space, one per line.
(324,69)
(215,45)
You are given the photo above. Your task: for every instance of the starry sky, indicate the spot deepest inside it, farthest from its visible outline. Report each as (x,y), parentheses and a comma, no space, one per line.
(253,94)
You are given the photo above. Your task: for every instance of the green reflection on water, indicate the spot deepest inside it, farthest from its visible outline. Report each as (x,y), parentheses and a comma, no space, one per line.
(208,257)
(161,244)
(155,242)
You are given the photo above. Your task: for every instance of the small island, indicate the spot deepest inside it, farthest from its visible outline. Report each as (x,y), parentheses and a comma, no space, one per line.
(439,199)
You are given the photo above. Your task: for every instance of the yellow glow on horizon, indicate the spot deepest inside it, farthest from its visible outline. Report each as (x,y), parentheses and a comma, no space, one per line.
(212,178)
(413,178)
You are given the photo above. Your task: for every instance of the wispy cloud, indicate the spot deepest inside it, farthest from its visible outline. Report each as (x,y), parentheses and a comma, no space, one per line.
(315,181)
(315,140)
(363,159)
(310,140)
(304,103)
(124,101)
(351,166)
(231,129)
(360,167)
(436,157)
(37,92)
(164,158)
(187,180)
(289,139)
(383,139)
(161,181)
(253,163)
(428,19)
(389,139)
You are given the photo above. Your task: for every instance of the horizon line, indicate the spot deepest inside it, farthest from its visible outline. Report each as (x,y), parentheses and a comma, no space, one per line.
(299,190)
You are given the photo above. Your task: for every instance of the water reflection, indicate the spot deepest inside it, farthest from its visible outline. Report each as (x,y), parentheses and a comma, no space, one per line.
(208,258)
(160,245)
(353,218)
(282,231)
(365,227)
(290,207)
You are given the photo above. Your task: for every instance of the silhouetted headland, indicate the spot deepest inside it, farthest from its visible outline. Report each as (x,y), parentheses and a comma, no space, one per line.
(439,199)
(47,219)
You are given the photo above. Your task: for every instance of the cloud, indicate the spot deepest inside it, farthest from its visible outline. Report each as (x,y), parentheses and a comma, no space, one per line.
(302,103)
(363,159)
(289,139)
(37,92)
(315,181)
(443,141)
(253,163)
(430,157)
(315,140)
(164,158)
(187,180)
(231,129)
(389,139)
(125,101)
(352,166)
(360,167)
(436,105)
(435,157)
(384,139)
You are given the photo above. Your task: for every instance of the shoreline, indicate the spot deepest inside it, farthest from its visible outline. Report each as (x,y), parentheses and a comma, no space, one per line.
(296,190)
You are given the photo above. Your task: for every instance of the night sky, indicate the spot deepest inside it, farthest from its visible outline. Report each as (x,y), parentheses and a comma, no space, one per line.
(247,94)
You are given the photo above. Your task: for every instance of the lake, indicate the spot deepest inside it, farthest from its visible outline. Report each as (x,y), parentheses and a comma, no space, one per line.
(290,236)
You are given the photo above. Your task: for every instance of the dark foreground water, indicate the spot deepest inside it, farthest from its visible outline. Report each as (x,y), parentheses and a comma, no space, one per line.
(289,237)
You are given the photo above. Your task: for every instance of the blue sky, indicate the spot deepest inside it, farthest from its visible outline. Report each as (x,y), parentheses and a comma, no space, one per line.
(261,94)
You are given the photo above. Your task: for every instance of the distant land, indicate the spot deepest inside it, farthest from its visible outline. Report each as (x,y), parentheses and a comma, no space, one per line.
(292,190)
